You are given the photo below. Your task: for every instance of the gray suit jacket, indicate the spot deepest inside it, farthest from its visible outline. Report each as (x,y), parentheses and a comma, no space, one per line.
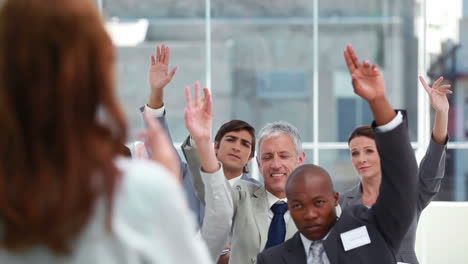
(430,175)
(196,206)
(250,220)
(387,221)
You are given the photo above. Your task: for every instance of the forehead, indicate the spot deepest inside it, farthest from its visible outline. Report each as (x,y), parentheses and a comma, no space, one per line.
(361,142)
(242,134)
(309,188)
(280,143)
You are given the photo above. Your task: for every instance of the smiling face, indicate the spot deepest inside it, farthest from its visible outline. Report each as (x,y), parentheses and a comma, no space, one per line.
(365,157)
(234,150)
(277,159)
(312,201)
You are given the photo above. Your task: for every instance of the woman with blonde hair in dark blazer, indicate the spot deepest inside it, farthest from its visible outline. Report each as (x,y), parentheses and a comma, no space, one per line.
(366,161)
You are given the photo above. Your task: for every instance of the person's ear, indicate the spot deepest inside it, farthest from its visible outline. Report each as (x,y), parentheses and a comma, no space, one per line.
(336,198)
(301,158)
(216,147)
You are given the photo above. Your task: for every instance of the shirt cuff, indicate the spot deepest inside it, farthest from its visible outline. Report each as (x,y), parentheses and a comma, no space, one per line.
(396,121)
(159,112)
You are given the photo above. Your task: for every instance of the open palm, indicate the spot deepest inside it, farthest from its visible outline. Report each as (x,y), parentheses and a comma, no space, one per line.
(438,94)
(199,114)
(368,82)
(159,76)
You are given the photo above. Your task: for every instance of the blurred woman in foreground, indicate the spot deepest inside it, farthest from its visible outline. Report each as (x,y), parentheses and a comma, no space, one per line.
(66,194)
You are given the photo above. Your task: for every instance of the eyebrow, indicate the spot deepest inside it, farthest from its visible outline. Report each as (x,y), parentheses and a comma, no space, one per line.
(243,140)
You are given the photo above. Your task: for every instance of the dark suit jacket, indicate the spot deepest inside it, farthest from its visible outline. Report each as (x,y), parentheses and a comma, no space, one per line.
(387,221)
(430,175)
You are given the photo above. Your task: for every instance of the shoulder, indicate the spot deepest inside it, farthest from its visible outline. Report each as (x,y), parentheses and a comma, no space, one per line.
(145,180)
(275,254)
(247,186)
(350,194)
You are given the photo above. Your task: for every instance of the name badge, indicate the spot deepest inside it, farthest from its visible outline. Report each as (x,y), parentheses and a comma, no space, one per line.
(355,238)
(402,263)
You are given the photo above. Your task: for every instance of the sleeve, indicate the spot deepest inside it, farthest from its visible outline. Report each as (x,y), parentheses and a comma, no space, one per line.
(431,172)
(193,200)
(260,259)
(194,166)
(218,212)
(152,216)
(394,209)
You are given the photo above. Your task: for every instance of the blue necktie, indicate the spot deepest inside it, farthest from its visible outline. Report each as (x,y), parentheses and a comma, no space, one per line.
(277,230)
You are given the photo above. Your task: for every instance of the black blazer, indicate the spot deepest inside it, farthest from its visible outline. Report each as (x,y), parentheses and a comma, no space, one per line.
(387,221)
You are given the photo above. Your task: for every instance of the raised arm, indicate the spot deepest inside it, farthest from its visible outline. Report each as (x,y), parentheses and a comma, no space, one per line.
(432,167)
(159,76)
(395,207)
(199,122)
(439,102)
(219,204)
(369,84)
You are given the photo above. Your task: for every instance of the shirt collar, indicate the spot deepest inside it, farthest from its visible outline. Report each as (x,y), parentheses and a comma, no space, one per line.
(273,199)
(307,242)
(234,180)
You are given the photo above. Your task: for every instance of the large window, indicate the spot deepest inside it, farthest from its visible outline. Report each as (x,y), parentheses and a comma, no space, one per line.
(283,60)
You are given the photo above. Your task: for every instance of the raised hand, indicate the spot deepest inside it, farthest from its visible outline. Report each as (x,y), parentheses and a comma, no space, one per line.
(161,147)
(438,94)
(199,114)
(368,82)
(159,76)
(199,121)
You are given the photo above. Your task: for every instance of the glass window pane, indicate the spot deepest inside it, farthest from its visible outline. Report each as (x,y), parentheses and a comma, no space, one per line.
(338,164)
(183,33)
(262,62)
(455,183)
(381,31)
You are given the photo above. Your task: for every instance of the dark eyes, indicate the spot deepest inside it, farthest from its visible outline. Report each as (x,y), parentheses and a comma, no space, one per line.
(356,153)
(297,206)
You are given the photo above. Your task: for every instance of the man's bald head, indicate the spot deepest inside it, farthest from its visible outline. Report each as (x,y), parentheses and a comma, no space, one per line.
(308,172)
(312,200)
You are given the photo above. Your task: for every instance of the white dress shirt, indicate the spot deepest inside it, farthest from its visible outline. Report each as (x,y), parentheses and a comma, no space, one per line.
(271,201)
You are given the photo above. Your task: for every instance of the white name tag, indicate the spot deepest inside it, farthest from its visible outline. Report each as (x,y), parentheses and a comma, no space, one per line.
(355,238)
(402,263)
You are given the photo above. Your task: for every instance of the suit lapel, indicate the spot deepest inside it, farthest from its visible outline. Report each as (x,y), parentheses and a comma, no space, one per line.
(260,212)
(295,252)
(331,246)
(355,195)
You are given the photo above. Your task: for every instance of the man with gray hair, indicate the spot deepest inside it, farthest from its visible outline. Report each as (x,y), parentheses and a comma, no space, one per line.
(260,219)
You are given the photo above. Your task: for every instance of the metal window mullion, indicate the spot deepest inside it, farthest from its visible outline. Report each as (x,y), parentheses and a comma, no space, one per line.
(315,92)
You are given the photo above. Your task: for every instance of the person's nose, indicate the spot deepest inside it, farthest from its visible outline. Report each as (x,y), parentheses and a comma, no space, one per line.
(236,146)
(276,163)
(310,213)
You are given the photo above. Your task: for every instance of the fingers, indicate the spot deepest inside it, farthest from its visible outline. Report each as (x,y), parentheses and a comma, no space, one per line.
(188,97)
(208,104)
(424,84)
(437,82)
(349,62)
(173,71)
(197,93)
(153,60)
(158,54)
(351,58)
(444,89)
(167,55)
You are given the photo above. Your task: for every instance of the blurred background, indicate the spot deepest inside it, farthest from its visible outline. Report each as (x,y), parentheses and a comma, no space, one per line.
(283,60)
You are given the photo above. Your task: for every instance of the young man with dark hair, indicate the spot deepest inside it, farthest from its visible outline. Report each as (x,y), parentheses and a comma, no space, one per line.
(234,147)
